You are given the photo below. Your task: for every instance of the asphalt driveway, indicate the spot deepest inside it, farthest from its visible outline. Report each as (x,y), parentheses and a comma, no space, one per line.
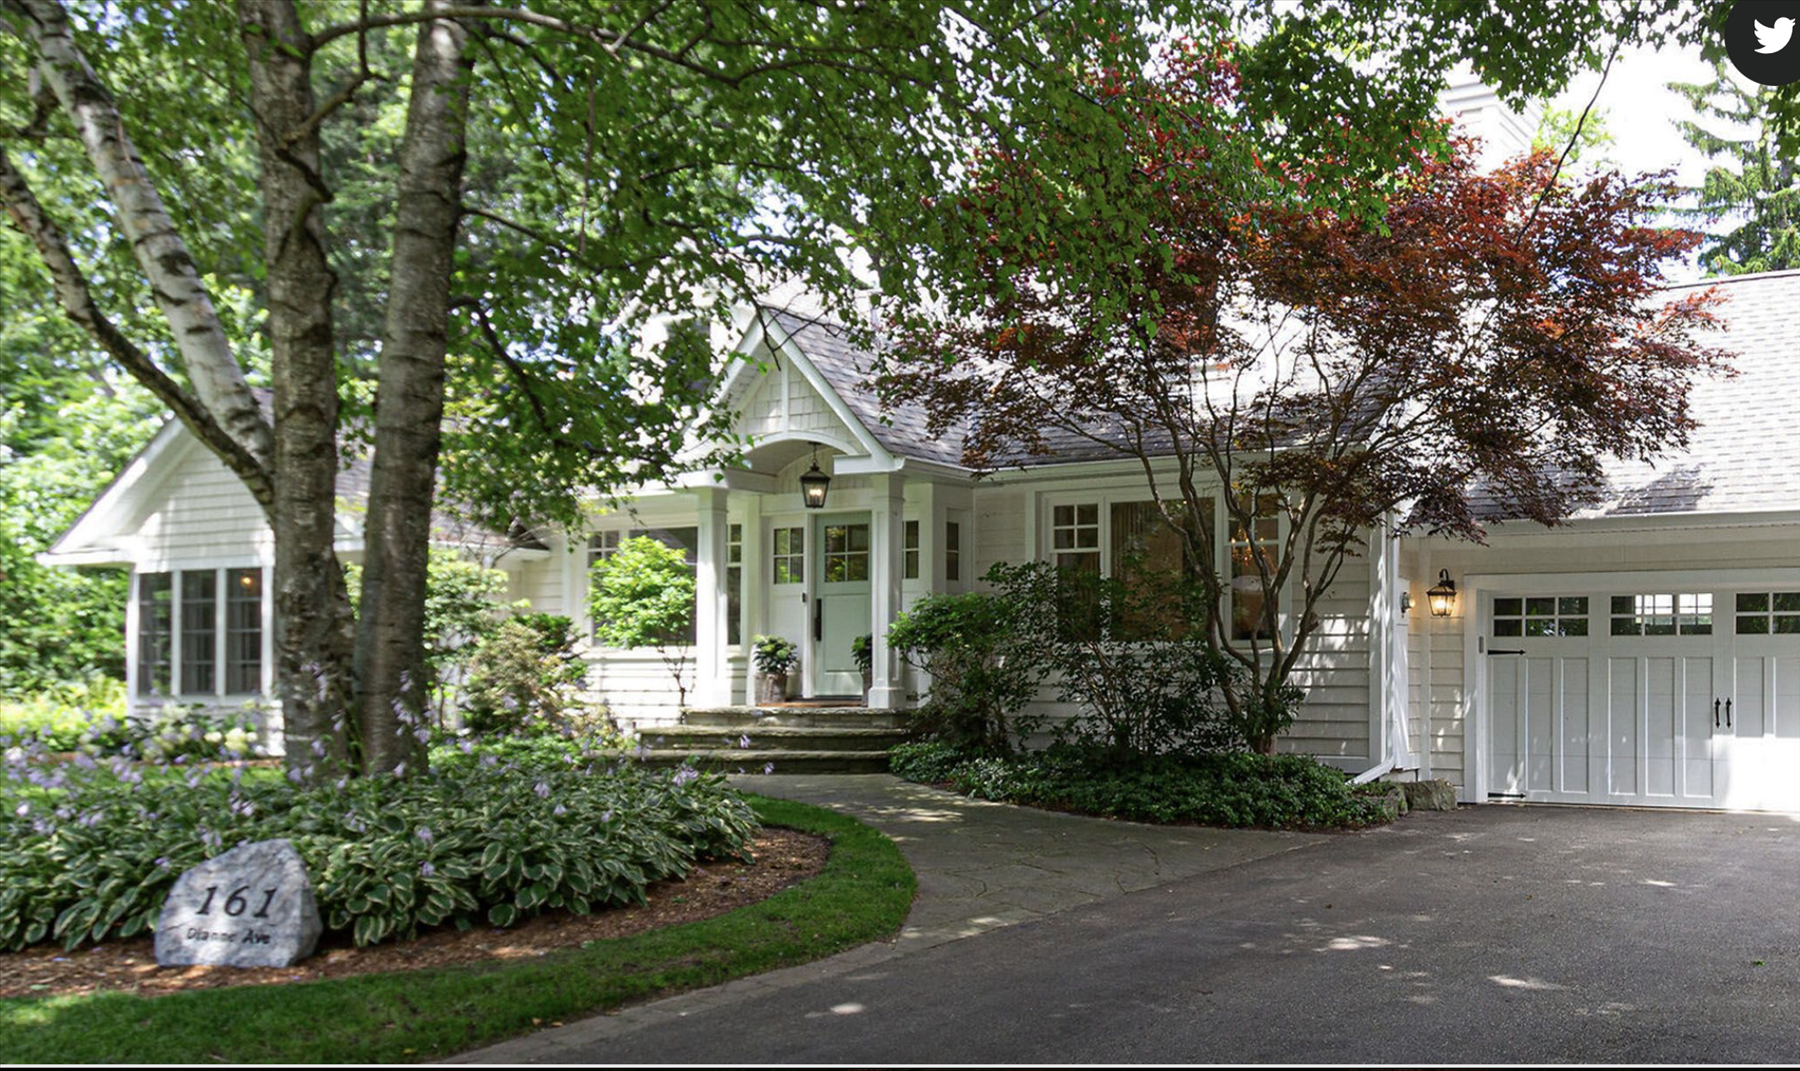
(1489,934)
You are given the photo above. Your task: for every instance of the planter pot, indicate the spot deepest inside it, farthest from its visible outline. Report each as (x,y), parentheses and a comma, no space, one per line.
(771,687)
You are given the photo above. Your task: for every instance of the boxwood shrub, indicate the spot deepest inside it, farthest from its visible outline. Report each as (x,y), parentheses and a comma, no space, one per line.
(1233,789)
(478,842)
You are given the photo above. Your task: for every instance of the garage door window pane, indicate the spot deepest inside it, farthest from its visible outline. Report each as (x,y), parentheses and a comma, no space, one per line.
(1683,614)
(1553,615)
(1760,613)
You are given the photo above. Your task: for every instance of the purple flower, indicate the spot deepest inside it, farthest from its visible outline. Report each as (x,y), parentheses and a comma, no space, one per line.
(424,834)
(560,810)
(605,817)
(744,742)
(768,767)
(542,788)
(426,869)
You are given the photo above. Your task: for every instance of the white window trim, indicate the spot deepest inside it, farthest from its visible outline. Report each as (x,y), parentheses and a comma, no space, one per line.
(177,694)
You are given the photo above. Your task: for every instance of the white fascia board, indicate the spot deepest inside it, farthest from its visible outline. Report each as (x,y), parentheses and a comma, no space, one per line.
(97,526)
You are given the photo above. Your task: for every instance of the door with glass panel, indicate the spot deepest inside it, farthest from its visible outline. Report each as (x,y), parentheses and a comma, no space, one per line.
(1760,713)
(840,603)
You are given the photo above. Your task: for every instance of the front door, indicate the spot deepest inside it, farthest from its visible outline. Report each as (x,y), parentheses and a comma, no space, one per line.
(840,603)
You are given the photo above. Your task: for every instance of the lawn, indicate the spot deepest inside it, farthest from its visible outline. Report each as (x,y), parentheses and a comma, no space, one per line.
(863,894)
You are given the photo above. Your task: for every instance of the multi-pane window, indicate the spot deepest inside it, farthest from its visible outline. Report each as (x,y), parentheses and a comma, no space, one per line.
(1255,554)
(156,622)
(603,545)
(846,553)
(1075,537)
(787,550)
(734,583)
(1763,613)
(1682,614)
(188,602)
(199,624)
(243,630)
(909,551)
(952,550)
(1546,615)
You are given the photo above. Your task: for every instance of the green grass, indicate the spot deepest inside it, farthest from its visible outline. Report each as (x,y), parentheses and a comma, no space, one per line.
(862,894)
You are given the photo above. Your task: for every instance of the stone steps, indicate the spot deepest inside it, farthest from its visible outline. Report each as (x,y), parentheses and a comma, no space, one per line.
(790,739)
(757,761)
(747,718)
(773,738)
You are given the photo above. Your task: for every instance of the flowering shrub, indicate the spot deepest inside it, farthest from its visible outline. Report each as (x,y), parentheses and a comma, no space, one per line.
(89,852)
(91,719)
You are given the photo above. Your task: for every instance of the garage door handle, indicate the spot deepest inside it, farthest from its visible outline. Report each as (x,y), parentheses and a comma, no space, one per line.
(1727,713)
(1715,713)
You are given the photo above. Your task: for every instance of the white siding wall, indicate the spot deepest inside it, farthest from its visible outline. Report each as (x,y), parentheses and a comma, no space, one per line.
(201,515)
(1334,721)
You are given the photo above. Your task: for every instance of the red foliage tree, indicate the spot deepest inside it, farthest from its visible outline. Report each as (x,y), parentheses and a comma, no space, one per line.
(1480,354)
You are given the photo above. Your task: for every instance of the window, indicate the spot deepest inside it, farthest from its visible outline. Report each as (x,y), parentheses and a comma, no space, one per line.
(734,584)
(243,631)
(603,545)
(952,550)
(155,622)
(1075,537)
(1128,540)
(606,544)
(199,631)
(1548,615)
(1763,613)
(788,552)
(1260,544)
(909,551)
(846,553)
(1686,614)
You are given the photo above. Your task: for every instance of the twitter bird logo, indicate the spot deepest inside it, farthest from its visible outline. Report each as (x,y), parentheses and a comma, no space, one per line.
(1770,39)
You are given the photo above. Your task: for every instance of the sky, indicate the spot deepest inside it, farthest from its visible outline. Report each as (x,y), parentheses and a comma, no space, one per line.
(1641,114)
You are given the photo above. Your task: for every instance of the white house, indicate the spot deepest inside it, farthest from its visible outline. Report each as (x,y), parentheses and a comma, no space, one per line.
(1647,653)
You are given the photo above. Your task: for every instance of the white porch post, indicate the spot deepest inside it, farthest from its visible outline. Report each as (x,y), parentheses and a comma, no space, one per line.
(712,670)
(754,595)
(887,494)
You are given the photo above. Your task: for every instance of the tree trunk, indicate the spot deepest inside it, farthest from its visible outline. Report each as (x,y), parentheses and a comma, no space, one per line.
(409,406)
(174,278)
(314,624)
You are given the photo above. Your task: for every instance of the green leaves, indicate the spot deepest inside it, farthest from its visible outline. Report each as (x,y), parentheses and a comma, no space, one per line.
(499,850)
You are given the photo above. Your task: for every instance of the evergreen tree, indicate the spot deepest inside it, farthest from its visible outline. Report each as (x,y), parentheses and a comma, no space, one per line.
(1750,197)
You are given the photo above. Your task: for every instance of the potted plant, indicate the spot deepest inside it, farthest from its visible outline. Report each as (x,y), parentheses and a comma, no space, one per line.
(862,650)
(776,657)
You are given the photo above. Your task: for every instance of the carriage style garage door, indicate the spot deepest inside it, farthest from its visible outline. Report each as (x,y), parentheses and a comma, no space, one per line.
(1646,698)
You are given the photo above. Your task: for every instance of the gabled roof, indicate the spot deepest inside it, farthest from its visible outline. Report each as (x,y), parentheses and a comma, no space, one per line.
(1744,457)
(94,538)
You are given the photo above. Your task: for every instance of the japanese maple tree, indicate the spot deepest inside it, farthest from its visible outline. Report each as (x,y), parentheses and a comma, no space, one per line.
(1479,353)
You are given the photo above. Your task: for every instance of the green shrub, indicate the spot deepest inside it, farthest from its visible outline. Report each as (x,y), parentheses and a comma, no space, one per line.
(90,718)
(1131,657)
(484,842)
(985,666)
(929,762)
(1232,790)
(526,677)
(642,595)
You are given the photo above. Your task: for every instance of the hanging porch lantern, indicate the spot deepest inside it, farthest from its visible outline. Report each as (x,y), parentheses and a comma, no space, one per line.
(814,483)
(1442,595)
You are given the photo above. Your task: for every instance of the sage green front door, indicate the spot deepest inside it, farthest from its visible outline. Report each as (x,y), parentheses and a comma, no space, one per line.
(840,602)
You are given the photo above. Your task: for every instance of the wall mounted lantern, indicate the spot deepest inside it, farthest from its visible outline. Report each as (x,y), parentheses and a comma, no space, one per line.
(1442,595)
(814,484)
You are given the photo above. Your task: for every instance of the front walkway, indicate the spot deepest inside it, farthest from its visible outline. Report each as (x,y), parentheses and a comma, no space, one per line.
(981,866)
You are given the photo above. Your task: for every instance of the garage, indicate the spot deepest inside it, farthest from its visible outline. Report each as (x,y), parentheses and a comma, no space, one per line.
(1684,697)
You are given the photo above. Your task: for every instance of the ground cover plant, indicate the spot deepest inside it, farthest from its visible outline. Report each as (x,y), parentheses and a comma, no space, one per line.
(1232,789)
(89,849)
(863,894)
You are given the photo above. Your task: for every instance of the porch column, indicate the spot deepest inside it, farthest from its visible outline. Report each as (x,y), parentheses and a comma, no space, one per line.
(887,492)
(712,671)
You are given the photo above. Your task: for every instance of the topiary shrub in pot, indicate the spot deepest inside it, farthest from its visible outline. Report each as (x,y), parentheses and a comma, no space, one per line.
(775,657)
(862,651)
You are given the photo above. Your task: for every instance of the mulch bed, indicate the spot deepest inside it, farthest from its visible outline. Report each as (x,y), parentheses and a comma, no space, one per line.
(781,857)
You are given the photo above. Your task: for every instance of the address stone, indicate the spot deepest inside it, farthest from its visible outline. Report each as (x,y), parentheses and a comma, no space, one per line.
(250,907)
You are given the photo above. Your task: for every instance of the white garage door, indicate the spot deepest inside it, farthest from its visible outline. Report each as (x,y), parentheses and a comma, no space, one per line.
(1673,699)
